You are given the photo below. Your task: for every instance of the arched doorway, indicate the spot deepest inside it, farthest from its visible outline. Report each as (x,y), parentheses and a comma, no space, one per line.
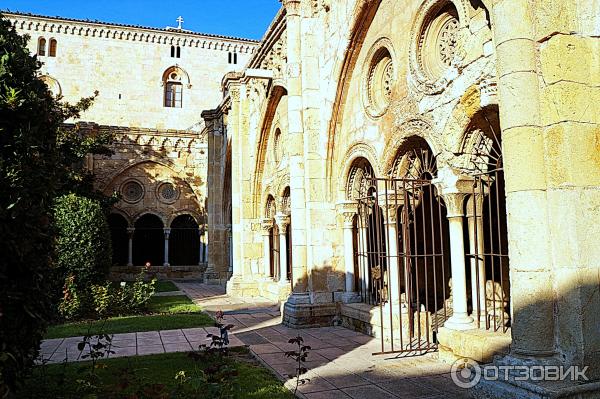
(120,240)
(149,241)
(184,241)
(487,225)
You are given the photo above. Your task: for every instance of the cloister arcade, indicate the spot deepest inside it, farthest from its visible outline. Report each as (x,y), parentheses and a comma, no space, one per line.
(149,241)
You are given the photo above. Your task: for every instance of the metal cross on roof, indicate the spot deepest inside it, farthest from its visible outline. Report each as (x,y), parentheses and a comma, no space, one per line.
(179,21)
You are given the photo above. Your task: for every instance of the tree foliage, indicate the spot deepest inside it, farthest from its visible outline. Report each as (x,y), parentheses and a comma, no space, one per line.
(39,159)
(83,247)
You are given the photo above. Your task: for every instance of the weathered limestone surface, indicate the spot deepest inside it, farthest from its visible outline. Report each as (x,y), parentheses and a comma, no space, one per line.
(352,87)
(157,148)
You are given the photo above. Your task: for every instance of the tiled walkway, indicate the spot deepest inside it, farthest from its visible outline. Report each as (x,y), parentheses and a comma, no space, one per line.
(340,363)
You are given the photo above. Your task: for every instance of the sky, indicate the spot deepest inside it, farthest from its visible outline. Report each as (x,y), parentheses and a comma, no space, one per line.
(240,18)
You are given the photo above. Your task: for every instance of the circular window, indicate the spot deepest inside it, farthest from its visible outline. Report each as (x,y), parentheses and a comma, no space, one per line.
(167,192)
(132,191)
(439,40)
(379,80)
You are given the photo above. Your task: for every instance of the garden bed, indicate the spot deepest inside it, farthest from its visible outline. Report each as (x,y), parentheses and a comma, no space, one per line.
(164,313)
(174,375)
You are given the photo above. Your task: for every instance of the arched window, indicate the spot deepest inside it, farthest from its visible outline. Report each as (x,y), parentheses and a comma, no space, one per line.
(178,52)
(149,241)
(184,242)
(41,47)
(119,236)
(52,50)
(173,90)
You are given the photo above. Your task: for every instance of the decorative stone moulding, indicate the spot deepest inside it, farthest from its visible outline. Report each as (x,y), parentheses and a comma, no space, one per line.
(436,40)
(132,191)
(167,193)
(379,76)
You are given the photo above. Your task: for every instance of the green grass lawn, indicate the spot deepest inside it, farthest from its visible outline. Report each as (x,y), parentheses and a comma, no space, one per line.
(252,380)
(165,286)
(166,312)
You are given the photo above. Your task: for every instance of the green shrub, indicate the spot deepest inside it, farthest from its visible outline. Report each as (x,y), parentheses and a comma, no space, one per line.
(83,247)
(99,301)
(39,159)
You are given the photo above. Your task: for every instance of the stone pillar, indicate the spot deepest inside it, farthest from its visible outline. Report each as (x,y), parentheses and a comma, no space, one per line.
(201,257)
(283,221)
(296,150)
(390,218)
(167,234)
(454,188)
(349,211)
(130,232)
(476,237)
(267,226)
(519,99)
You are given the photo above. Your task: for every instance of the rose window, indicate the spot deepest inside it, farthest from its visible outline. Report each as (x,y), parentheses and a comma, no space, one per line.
(167,192)
(379,83)
(438,42)
(132,191)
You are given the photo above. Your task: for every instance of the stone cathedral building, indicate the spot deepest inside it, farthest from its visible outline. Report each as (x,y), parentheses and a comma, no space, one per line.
(426,171)
(153,84)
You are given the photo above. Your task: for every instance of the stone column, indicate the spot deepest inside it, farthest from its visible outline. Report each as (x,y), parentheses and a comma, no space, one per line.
(520,106)
(130,232)
(390,214)
(201,257)
(476,237)
(349,211)
(283,221)
(167,234)
(267,226)
(296,151)
(454,188)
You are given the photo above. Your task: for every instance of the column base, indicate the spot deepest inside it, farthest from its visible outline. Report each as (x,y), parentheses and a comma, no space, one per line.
(237,286)
(166,264)
(503,388)
(477,344)
(350,297)
(299,312)
(460,323)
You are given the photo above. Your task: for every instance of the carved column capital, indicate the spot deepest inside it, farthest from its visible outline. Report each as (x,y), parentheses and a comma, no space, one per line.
(454,204)
(130,231)
(266,224)
(283,221)
(292,7)
(453,186)
(167,232)
(348,210)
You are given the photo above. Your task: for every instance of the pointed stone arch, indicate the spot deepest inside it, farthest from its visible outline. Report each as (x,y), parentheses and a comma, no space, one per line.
(277,93)
(364,13)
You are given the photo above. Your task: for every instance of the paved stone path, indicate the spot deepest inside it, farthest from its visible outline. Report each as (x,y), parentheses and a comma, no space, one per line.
(340,363)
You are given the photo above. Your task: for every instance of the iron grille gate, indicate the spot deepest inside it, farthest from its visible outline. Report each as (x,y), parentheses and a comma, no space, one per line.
(402,264)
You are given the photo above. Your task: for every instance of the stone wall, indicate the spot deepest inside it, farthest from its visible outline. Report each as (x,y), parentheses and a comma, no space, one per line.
(364,84)
(126,65)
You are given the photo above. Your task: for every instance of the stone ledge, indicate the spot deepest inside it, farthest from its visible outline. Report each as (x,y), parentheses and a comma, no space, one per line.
(309,315)
(535,390)
(477,344)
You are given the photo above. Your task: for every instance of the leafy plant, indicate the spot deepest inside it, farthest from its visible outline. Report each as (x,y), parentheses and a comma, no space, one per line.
(36,165)
(219,373)
(299,356)
(83,246)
